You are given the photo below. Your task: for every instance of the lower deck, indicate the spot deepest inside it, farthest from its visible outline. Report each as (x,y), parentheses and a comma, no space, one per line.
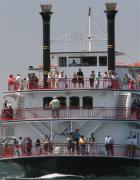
(69,149)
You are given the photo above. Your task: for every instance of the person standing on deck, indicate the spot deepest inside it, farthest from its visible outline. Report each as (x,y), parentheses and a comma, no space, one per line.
(134,108)
(128,145)
(16,146)
(55,105)
(11,83)
(80,78)
(138,81)
(5,104)
(105,80)
(91,141)
(62,80)
(21,146)
(125,81)
(18,82)
(134,146)
(74,80)
(98,78)
(77,138)
(109,145)
(91,79)
(38,146)
(34,81)
(82,143)
(70,143)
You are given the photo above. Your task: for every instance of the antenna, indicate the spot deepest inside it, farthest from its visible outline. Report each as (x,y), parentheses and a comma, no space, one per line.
(89,30)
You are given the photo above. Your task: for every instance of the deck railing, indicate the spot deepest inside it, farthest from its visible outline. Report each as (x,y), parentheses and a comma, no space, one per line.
(119,150)
(70,84)
(72,113)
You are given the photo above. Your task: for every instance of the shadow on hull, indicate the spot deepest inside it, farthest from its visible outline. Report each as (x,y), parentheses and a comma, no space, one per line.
(78,165)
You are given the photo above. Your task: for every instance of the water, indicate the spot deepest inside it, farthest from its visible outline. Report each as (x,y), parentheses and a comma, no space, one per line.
(11,171)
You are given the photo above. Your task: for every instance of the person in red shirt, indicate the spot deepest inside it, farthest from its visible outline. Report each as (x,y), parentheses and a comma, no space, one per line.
(11,83)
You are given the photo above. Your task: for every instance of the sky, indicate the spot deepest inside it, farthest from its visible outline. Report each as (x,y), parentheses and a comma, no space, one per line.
(21,31)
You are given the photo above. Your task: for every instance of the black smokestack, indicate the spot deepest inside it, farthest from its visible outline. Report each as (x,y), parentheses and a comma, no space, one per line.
(46,16)
(110,13)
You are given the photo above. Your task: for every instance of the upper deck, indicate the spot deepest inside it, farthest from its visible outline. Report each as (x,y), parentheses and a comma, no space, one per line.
(65,67)
(97,88)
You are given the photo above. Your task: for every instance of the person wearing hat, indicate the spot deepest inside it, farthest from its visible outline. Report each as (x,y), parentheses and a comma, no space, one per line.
(55,105)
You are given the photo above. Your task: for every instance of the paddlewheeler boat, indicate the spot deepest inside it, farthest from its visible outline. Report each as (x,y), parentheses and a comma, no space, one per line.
(79,115)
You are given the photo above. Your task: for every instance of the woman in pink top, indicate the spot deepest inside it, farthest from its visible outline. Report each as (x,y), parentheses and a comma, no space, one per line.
(11,83)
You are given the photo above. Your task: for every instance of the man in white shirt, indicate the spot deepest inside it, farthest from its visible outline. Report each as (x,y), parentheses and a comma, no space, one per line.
(109,145)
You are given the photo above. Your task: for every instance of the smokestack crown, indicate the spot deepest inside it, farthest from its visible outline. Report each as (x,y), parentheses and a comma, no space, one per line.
(46,8)
(110,6)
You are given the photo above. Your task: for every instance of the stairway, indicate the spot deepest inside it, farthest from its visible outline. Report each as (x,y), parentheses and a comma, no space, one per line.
(20,114)
(90,127)
(121,111)
(39,128)
(43,128)
(122,100)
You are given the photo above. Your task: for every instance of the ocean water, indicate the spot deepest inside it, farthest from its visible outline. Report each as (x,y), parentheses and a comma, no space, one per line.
(10,171)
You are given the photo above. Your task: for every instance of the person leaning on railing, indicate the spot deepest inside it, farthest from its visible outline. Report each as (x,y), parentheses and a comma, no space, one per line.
(55,105)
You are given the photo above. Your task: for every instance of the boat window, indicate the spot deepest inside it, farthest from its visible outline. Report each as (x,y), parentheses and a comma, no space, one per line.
(74,61)
(46,101)
(62,101)
(89,61)
(62,61)
(83,61)
(74,102)
(102,60)
(87,102)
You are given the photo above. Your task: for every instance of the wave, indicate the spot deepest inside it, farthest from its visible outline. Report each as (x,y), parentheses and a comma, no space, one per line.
(50,176)
(57,175)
